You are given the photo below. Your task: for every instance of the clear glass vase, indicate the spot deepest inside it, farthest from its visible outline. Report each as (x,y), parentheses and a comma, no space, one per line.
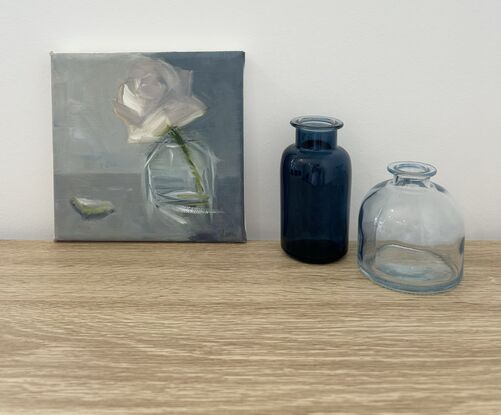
(411,234)
(179,178)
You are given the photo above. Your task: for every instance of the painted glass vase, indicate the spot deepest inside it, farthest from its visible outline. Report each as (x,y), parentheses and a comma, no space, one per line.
(179,178)
(410,232)
(315,192)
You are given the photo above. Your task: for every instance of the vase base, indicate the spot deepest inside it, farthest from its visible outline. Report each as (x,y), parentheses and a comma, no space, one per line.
(410,270)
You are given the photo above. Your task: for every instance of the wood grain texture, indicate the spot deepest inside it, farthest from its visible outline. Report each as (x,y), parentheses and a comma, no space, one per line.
(109,328)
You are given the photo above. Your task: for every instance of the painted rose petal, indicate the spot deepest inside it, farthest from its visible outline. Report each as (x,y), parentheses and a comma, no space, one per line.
(182,113)
(131,100)
(128,115)
(154,127)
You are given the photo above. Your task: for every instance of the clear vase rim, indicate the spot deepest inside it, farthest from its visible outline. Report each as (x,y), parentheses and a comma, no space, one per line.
(412,169)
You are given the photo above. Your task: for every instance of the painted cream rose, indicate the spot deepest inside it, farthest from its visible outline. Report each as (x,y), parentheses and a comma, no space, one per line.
(156,97)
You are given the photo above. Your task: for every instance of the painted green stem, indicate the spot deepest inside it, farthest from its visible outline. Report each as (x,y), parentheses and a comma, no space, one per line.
(187,155)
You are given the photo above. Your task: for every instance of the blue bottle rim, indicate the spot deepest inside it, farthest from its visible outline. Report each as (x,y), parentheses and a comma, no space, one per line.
(316,122)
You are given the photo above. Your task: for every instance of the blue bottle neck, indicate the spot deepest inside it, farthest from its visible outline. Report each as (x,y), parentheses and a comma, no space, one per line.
(311,139)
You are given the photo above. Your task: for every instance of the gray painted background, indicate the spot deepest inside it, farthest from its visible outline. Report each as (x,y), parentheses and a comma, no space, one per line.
(93,159)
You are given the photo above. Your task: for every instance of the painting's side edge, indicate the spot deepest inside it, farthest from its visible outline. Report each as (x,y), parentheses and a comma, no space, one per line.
(242,156)
(52,63)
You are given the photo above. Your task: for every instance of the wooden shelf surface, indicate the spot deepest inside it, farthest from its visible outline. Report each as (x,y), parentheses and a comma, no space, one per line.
(154,328)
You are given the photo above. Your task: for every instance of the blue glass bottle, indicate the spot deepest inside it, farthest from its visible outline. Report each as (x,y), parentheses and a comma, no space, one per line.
(315,192)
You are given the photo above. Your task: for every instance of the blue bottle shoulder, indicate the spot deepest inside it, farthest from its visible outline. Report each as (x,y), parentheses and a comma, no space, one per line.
(334,163)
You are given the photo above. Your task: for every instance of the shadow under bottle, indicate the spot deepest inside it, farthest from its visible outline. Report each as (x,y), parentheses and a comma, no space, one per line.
(315,192)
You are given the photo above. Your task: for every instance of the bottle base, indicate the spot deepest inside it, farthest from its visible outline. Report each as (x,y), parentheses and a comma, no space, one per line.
(314,251)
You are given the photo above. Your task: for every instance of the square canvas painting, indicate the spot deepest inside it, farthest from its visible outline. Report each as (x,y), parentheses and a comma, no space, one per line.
(148,146)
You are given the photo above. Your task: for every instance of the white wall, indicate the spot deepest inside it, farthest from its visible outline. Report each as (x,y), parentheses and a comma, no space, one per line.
(411,80)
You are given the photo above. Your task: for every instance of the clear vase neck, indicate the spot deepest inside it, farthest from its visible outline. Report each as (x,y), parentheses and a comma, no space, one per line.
(316,132)
(411,172)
